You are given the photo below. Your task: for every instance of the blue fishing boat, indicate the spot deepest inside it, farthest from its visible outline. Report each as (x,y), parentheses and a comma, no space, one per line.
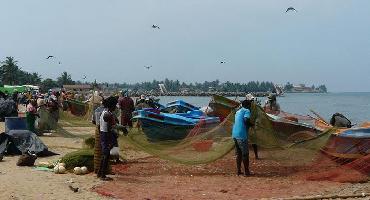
(179,106)
(162,126)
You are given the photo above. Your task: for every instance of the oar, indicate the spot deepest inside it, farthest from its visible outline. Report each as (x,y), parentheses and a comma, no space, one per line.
(321,118)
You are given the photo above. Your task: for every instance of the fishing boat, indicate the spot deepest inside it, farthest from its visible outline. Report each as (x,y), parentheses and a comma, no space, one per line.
(349,144)
(179,106)
(222,106)
(160,125)
(292,125)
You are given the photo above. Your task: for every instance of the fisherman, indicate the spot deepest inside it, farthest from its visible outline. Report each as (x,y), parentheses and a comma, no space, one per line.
(31,114)
(140,100)
(271,105)
(53,105)
(95,101)
(240,134)
(126,105)
(252,99)
(141,103)
(108,137)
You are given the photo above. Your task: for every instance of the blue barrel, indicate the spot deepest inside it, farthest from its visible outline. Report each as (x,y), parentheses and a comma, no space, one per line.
(15,123)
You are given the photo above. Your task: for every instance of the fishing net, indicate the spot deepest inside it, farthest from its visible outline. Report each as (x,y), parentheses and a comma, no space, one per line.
(78,108)
(201,144)
(290,141)
(204,143)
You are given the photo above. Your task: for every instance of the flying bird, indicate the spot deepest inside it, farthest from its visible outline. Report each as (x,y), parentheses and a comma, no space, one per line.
(148,67)
(50,57)
(222,62)
(155,26)
(290,9)
(84,77)
(59,63)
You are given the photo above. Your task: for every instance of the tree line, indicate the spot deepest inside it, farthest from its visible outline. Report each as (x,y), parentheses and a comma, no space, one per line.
(12,74)
(177,86)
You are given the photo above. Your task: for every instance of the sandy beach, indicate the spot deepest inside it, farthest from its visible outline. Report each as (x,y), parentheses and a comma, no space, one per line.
(27,183)
(147,177)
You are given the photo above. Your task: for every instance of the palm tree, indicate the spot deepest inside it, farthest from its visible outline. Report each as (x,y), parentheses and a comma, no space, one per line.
(9,71)
(65,79)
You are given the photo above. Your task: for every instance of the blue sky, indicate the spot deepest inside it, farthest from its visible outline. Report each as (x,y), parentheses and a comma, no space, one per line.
(325,42)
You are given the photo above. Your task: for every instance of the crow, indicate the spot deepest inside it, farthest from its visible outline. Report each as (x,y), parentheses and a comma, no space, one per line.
(59,63)
(290,9)
(222,62)
(155,26)
(73,188)
(148,67)
(84,77)
(50,57)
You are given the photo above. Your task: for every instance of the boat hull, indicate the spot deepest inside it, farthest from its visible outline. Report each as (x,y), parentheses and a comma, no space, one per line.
(222,106)
(349,144)
(160,131)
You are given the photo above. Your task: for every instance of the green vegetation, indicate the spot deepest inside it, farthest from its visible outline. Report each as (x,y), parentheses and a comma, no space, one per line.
(177,86)
(12,74)
(79,158)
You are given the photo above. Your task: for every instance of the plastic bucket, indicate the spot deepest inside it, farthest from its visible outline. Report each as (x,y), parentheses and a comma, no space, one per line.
(15,123)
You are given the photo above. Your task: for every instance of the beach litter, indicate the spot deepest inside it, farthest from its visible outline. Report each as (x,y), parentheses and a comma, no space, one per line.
(45,169)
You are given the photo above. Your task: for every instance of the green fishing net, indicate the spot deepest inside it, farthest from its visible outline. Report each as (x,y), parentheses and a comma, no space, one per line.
(288,140)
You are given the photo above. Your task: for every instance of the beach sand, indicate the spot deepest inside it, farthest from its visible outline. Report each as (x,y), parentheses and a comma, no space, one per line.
(148,177)
(27,183)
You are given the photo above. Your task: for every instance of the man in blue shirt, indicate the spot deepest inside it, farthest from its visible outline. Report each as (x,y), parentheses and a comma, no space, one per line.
(240,136)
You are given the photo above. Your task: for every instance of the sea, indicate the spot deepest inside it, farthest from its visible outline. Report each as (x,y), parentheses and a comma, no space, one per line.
(354,105)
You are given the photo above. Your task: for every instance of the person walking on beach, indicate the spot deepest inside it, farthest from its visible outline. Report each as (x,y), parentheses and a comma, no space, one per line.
(126,105)
(240,137)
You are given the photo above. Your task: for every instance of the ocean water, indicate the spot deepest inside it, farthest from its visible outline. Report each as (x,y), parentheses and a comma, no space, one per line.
(355,106)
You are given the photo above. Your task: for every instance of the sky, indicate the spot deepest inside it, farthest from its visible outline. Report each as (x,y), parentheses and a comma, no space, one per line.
(324,42)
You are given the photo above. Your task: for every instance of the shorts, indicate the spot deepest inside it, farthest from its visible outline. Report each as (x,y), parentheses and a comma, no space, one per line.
(241,148)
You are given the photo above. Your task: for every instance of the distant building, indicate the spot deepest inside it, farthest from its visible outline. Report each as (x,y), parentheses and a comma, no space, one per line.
(302,88)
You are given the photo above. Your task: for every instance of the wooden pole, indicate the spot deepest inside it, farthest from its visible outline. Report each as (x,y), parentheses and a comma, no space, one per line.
(329,197)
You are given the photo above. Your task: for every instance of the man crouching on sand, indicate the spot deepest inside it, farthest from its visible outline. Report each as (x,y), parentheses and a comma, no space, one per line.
(107,135)
(240,136)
